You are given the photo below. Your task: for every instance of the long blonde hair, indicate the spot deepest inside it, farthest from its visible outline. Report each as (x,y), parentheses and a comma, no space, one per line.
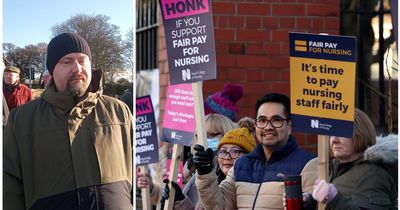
(218,123)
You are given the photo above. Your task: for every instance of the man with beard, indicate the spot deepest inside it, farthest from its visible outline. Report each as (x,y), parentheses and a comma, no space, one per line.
(256,179)
(71,148)
(15,93)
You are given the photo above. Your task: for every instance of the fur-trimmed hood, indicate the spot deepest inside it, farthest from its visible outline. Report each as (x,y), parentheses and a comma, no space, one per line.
(385,150)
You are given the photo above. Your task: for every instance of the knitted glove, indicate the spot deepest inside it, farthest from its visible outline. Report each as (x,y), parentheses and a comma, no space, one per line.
(203,159)
(178,191)
(323,191)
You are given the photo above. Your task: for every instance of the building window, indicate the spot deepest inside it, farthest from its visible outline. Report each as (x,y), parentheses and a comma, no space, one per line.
(376,84)
(146,34)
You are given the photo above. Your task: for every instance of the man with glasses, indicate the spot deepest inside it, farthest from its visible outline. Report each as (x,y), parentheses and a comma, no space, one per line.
(256,179)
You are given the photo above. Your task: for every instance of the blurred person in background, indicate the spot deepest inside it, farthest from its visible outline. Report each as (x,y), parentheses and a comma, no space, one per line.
(46,77)
(15,93)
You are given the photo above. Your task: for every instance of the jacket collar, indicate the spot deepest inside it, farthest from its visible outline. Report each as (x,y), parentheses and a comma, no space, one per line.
(10,88)
(67,101)
(341,168)
(279,152)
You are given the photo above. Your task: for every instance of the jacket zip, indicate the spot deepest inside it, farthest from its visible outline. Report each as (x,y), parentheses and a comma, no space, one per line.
(259,186)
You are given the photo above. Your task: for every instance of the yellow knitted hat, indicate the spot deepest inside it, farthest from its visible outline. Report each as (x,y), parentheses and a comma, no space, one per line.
(241,137)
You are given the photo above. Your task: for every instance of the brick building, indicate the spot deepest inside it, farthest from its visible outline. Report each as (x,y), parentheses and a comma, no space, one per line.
(252,47)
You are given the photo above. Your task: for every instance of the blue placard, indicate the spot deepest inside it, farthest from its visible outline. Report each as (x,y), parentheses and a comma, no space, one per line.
(323,126)
(340,48)
(146,141)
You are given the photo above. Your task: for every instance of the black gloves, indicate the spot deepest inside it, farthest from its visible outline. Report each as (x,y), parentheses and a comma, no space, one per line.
(203,160)
(189,160)
(178,191)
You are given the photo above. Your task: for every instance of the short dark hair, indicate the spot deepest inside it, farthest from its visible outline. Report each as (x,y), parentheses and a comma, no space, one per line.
(277,98)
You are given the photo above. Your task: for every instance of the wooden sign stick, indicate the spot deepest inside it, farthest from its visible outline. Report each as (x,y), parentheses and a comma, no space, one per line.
(323,161)
(146,203)
(173,175)
(197,88)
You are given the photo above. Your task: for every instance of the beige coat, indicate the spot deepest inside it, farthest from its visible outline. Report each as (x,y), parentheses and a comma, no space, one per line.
(243,193)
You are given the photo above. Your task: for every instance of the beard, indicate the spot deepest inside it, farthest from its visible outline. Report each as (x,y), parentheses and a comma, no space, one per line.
(270,142)
(77,88)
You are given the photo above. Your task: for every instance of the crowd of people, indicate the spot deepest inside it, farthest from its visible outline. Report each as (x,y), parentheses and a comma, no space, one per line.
(72,149)
(247,167)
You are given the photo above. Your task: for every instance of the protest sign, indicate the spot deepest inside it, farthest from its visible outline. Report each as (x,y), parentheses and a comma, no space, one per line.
(184,112)
(146,132)
(179,176)
(190,41)
(179,119)
(322,83)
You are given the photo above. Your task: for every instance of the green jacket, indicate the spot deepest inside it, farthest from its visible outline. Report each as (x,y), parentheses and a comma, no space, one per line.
(367,183)
(61,148)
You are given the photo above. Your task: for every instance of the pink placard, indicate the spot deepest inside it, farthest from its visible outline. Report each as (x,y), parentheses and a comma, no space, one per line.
(179,108)
(180,8)
(143,106)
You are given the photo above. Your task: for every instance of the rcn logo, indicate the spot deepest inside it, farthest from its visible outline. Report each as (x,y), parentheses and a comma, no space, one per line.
(186,74)
(137,159)
(314,124)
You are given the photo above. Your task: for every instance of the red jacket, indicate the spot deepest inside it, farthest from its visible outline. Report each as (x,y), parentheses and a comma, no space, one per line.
(17,96)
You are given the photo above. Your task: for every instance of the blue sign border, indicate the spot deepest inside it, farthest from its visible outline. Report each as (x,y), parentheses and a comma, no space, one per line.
(344,43)
(324,126)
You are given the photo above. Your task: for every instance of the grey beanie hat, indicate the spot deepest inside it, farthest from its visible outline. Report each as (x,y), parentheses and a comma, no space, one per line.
(65,44)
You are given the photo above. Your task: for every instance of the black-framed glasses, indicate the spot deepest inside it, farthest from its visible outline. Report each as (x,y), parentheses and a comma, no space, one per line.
(233,154)
(276,122)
